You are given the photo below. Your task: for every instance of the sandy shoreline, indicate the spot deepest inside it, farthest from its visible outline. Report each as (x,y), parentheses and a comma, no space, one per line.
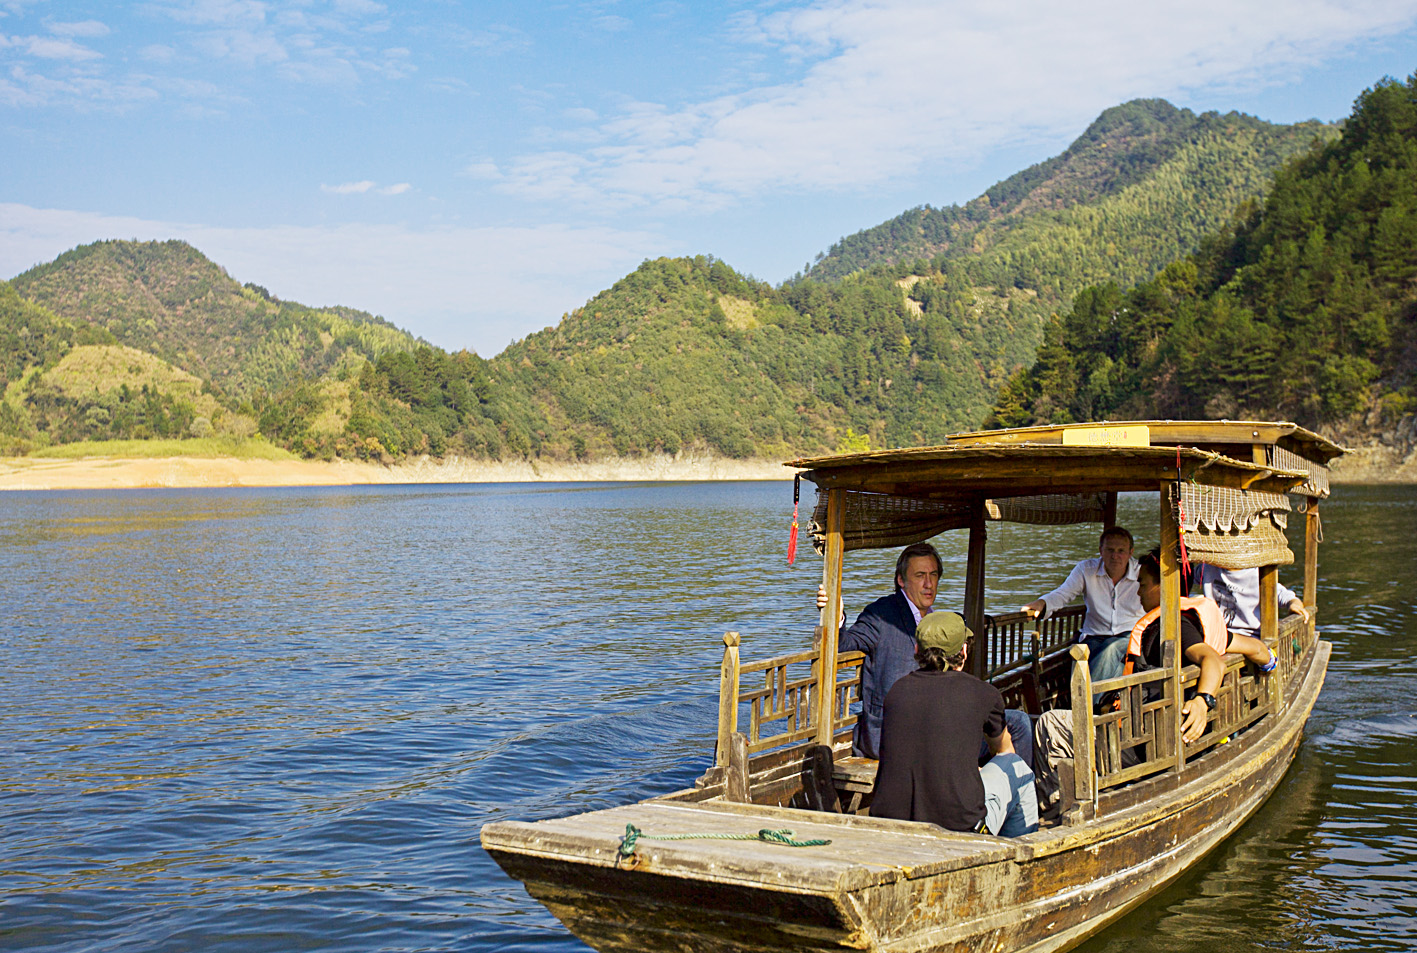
(1365,465)
(114,473)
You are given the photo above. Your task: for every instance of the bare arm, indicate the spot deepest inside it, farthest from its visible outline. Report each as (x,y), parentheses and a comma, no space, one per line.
(1071,588)
(1196,713)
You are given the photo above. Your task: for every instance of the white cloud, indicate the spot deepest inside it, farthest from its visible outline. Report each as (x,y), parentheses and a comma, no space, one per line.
(85,28)
(50,48)
(157,53)
(25,87)
(218,12)
(456,287)
(365,186)
(348,188)
(359,7)
(890,86)
(482,169)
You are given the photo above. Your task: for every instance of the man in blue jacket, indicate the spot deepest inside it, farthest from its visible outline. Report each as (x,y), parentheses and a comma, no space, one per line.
(885,631)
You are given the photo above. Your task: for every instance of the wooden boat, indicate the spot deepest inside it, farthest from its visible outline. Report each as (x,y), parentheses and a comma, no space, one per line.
(689,871)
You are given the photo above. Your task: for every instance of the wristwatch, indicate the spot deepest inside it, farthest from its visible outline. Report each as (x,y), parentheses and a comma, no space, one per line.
(1208,699)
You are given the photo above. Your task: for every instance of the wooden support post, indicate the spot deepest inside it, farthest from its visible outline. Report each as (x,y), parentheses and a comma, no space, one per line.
(1171,607)
(1084,738)
(1109,509)
(1166,741)
(1311,552)
(737,785)
(1269,630)
(727,696)
(824,711)
(974,591)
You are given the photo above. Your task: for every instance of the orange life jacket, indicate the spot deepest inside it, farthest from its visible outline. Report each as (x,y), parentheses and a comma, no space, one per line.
(1212,627)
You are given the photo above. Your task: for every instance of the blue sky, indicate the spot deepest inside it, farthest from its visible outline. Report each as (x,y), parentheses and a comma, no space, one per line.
(471,171)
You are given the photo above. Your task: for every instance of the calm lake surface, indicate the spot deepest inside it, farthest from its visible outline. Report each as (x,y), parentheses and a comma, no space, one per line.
(253,720)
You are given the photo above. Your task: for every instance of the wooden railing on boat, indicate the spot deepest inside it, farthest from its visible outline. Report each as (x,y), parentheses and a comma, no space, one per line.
(1013,640)
(783,689)
(1141,736)
(770,721)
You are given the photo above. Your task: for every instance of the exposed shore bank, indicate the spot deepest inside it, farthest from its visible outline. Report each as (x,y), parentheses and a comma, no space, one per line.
(1371,464)
(118,473)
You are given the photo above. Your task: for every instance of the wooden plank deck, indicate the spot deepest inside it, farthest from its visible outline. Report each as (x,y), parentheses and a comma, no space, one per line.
(864,851)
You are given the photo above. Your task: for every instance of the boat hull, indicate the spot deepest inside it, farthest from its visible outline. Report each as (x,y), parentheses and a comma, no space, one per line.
(890,885)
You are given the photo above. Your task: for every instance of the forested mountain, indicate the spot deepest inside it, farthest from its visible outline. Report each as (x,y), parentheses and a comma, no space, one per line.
(689,354)
(169,299)
(1303,309)
(1136,191)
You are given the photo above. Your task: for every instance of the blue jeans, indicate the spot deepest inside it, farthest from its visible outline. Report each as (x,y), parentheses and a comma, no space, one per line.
(1109,655)
(1010,803)
(1020,728)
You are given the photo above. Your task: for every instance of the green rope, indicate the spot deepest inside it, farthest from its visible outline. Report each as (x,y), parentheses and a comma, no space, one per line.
(783,836)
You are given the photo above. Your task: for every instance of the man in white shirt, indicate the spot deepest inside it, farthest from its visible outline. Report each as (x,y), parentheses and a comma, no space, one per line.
(1108,585)
(1237,592)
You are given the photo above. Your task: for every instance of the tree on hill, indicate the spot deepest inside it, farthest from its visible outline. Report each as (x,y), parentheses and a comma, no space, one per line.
(1141,170)
(1303,308)
(687,354)
(169,299)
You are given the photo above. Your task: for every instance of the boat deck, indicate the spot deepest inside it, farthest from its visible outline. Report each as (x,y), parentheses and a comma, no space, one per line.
(864,851)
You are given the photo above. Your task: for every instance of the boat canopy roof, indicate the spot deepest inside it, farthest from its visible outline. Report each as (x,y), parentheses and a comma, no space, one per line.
(1228,480)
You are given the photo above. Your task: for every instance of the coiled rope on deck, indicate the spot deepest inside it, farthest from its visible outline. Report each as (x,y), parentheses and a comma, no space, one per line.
(782,836)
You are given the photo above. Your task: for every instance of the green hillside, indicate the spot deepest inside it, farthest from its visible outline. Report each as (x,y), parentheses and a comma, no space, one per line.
(1137,190)
(169,299)
(62,383)
(1305,309)
(681,354)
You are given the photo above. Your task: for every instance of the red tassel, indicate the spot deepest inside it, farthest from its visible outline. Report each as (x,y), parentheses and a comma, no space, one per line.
(792,537)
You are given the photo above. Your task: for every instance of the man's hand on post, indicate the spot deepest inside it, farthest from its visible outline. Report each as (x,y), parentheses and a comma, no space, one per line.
(1195,715)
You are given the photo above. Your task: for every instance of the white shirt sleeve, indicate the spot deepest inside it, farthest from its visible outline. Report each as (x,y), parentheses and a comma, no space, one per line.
(1071,588)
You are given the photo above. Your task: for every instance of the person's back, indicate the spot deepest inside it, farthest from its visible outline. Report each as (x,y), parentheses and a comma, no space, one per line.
(933,723)
(932,726)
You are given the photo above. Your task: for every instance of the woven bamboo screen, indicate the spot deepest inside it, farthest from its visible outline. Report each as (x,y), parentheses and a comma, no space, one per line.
(877,520)
(1233,529)
(1229,528)
(1317,483)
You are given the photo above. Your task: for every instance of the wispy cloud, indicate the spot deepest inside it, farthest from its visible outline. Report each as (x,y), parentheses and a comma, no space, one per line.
(457,287)
(85,28)
(890,86)
(53,48)
(363,186)
(240,45)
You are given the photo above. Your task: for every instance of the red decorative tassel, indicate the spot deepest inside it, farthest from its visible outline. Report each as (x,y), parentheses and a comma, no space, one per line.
(792,537)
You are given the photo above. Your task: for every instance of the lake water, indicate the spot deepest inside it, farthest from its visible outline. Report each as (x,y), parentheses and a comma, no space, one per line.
(255,720)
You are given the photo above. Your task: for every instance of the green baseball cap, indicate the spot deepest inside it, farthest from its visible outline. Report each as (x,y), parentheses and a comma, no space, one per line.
(943,630)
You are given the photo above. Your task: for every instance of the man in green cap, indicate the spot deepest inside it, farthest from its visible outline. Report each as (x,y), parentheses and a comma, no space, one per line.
(932,727)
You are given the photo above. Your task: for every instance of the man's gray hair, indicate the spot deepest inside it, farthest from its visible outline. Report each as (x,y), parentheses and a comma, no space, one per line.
(910,552)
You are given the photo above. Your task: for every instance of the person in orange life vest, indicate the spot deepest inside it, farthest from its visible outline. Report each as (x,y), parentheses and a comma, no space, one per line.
(1204,640)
